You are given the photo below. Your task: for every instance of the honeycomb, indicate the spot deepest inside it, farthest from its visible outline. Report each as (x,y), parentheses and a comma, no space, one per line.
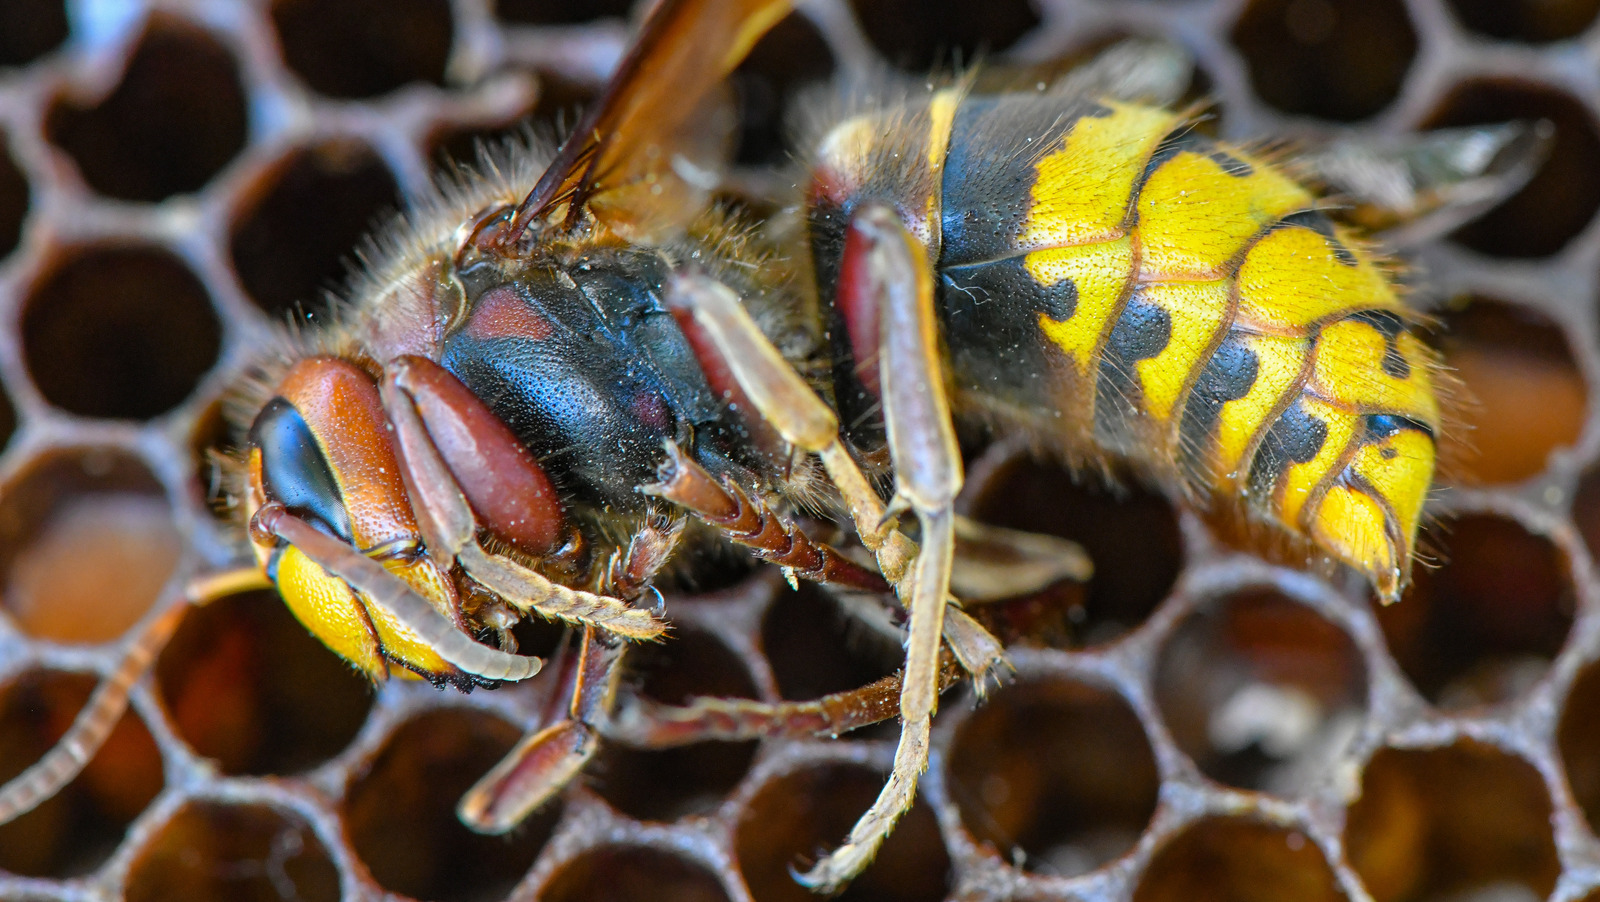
(1193,724)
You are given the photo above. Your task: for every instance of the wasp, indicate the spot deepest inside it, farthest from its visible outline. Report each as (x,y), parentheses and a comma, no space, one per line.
(555,378)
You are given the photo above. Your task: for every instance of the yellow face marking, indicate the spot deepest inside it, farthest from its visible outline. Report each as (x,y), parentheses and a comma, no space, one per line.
(1349,371)
(1194,217)
(1351,525)
(328,608)
(1100,272)
(1300,480)
(1399,468)
(1293,278)
(1196,311)
(1278,365)
(1082,191)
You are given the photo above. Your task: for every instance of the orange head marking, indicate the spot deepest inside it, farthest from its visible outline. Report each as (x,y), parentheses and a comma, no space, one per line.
(322,449)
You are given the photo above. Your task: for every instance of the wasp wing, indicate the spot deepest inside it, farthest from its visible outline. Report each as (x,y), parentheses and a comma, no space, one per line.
(634,162)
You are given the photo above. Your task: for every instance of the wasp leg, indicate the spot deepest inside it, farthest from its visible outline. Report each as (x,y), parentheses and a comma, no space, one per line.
(790,406)
(450,528)
(547,761)
(1412,188)
(750,523)
(928,475)
(643,723)
(90,729)
(995,563)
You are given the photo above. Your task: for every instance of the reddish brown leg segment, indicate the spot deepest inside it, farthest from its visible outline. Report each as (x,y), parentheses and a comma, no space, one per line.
(545,762)
(752,524)
(644,723)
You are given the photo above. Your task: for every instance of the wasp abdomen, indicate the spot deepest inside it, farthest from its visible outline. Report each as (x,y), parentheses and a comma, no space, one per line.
(1143,293)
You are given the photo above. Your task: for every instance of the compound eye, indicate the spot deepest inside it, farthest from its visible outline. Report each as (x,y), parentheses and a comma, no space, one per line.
(294,469)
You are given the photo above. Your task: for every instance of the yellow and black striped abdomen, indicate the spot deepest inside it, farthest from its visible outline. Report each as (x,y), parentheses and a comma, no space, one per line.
(1182,304)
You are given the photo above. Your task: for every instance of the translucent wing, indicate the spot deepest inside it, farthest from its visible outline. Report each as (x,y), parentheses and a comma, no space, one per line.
(636,161)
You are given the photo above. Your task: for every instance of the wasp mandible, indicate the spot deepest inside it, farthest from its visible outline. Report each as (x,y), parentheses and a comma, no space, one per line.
(554,377)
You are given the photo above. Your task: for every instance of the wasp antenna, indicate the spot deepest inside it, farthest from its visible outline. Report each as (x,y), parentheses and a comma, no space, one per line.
(62,764)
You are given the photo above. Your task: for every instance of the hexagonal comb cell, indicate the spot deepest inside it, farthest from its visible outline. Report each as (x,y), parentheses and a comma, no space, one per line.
(363,48)
(1561,198)
(1131,536)
(633,874)
(249,688)
(293,237)
(122,331)
(800,812)
(1241,860)
(77,829)
(1262,692)
(13,199)
(87,542)
(1449,822)
(1485,625)
(174,120)
(400,812)
(1336,59)
(31,28)
(919,36)
(1054,772)
(1535,21)
(815,647)
(666,784)
(1506,355)
(1578,740)
(249,853)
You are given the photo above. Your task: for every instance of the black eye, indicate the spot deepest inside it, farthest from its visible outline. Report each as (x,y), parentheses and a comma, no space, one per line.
(294,471)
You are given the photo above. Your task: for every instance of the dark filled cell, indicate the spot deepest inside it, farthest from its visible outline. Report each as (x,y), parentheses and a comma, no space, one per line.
(30,28)
(295,237)
(175,119)
(1058,776)
(666,784)
(918,36)
(633,874)
(14,200)
(118,331)
(363,48)
(1335,59)
(400,814)
(801,812)
(1485,625)
(1131,535)
(1533,21)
